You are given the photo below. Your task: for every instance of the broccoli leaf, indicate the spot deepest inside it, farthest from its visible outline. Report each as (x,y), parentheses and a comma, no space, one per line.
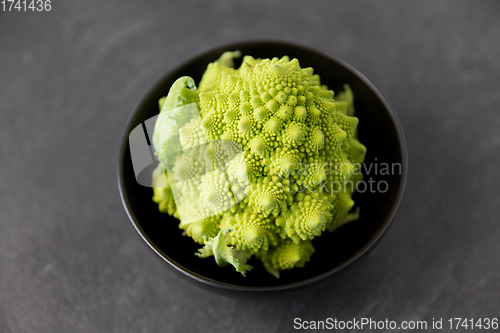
(219,247)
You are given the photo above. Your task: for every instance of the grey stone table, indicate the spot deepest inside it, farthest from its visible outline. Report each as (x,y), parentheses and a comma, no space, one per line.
(70,260)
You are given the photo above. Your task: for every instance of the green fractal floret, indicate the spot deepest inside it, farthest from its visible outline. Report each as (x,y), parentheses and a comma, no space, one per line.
(251,231)
(264,169)
(286,255)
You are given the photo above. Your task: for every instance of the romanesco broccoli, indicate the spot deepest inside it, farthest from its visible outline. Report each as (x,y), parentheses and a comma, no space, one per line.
(263,169)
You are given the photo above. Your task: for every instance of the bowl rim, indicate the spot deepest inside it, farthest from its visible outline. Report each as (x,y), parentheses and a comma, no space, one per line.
(362,252)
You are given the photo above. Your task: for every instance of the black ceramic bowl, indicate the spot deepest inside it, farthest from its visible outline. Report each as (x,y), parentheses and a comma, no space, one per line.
(379,130)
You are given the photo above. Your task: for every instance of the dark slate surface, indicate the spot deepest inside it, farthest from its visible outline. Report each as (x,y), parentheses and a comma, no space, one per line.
(70,260)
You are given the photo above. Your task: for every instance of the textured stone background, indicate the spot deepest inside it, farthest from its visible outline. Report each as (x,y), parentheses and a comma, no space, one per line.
(71,262)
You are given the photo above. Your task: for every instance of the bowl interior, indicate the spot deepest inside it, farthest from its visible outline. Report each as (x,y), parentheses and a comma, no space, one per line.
(378,130)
